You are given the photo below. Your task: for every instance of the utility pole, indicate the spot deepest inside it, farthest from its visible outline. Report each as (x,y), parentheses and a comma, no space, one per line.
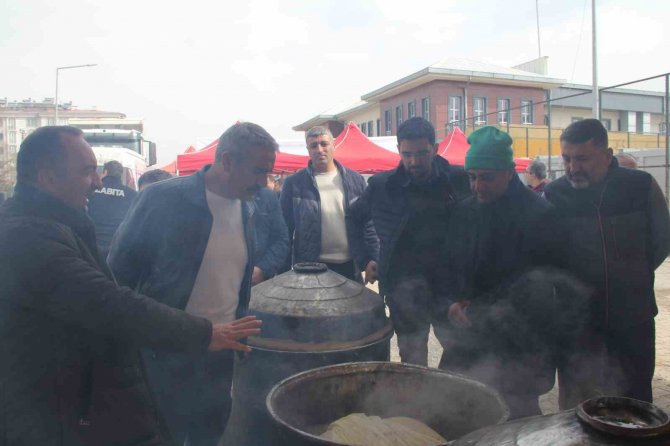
(595,110)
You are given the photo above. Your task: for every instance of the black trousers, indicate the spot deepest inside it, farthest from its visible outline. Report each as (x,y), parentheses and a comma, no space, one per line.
(410,301)
(617,362)
(194,397)
(346,269)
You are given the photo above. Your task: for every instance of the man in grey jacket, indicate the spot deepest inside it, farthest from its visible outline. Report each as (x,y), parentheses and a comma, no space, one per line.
(70,372)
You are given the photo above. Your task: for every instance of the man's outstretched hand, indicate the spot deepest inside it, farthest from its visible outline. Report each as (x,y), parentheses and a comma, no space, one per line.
(371,272)
(226,336)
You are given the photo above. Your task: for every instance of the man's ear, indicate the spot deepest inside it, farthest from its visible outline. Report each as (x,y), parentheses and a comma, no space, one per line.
(227,162)
(46,178)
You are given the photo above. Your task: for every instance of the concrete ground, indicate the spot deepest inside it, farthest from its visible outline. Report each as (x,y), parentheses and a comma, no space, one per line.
(661,384)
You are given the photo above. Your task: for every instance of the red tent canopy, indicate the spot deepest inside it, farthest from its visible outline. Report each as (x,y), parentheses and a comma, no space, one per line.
(172,167)
(455,145)
(188,163)
(357,152)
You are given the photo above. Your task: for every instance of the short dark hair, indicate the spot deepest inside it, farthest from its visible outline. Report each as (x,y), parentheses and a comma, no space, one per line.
(237,139)
(416,128)
(538,169)
(586,130)
(318,130)
(113,168)
(42,148)
(153,176)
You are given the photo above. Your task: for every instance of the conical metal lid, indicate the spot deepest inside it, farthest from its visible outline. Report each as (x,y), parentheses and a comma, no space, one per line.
(311,308)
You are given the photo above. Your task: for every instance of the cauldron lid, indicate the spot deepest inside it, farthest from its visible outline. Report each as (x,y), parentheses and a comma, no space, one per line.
(625,417)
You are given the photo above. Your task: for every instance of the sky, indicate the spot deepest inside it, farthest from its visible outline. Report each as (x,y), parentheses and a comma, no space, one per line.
(192,69)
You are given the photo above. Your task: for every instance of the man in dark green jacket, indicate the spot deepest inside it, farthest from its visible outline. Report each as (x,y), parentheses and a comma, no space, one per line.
(70,373)
(613,231)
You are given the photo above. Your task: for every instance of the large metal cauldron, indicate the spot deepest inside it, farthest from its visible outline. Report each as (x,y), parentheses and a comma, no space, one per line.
(312,317)
(303,405)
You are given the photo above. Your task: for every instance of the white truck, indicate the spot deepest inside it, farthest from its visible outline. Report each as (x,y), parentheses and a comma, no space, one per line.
(119,140)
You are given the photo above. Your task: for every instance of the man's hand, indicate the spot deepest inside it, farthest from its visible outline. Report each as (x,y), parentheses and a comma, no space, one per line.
(226,336)
(371,272)
(457,314)
(257,276)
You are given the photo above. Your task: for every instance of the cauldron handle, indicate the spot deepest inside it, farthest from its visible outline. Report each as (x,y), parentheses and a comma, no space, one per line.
(310,267)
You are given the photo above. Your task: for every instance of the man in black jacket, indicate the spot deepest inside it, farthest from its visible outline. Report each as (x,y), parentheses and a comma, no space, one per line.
(494,334)
(108,205)
(188,242)
(613,231)
(70,373)
(409,206)
(315,201)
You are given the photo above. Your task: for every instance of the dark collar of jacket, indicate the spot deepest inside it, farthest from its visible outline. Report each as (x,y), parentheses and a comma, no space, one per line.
(561,191)
(513,196)
(30,201)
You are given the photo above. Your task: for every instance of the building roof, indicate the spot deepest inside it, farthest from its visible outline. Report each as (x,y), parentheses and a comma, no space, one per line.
(464,70)
(335,113)
(615,90)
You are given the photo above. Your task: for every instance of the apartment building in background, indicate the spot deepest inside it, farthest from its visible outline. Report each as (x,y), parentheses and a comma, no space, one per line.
(19,118)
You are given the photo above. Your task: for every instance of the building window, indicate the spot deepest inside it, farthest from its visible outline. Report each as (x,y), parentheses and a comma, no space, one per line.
(51,121)
(455,111)
(387,122)
(11,123)
(12,150)
(575,119)
(370,128)
(527,111)
(32,122)
(12,137)
(643,122)
(398,116)
(607,123)
(379,127)
(425,108)
(503,111)
(62,122)
(479,111)
(411,110)
(364,128)
(661,128)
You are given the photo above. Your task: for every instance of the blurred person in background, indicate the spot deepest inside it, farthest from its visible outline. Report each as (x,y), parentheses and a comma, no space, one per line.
(271,236)
(536,176)
(626,160)
(151,177)
(109,205)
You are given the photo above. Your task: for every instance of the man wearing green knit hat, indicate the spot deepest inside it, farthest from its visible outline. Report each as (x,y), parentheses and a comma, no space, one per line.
(490,235)
(489,163)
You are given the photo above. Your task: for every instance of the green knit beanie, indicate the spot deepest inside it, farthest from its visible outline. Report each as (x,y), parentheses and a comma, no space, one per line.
(490,148)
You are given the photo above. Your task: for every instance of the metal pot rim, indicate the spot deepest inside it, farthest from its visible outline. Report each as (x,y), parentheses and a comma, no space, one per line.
(350,368)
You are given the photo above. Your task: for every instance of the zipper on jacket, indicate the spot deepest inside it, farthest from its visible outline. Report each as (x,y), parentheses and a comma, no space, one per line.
(606,267)
(85,390)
